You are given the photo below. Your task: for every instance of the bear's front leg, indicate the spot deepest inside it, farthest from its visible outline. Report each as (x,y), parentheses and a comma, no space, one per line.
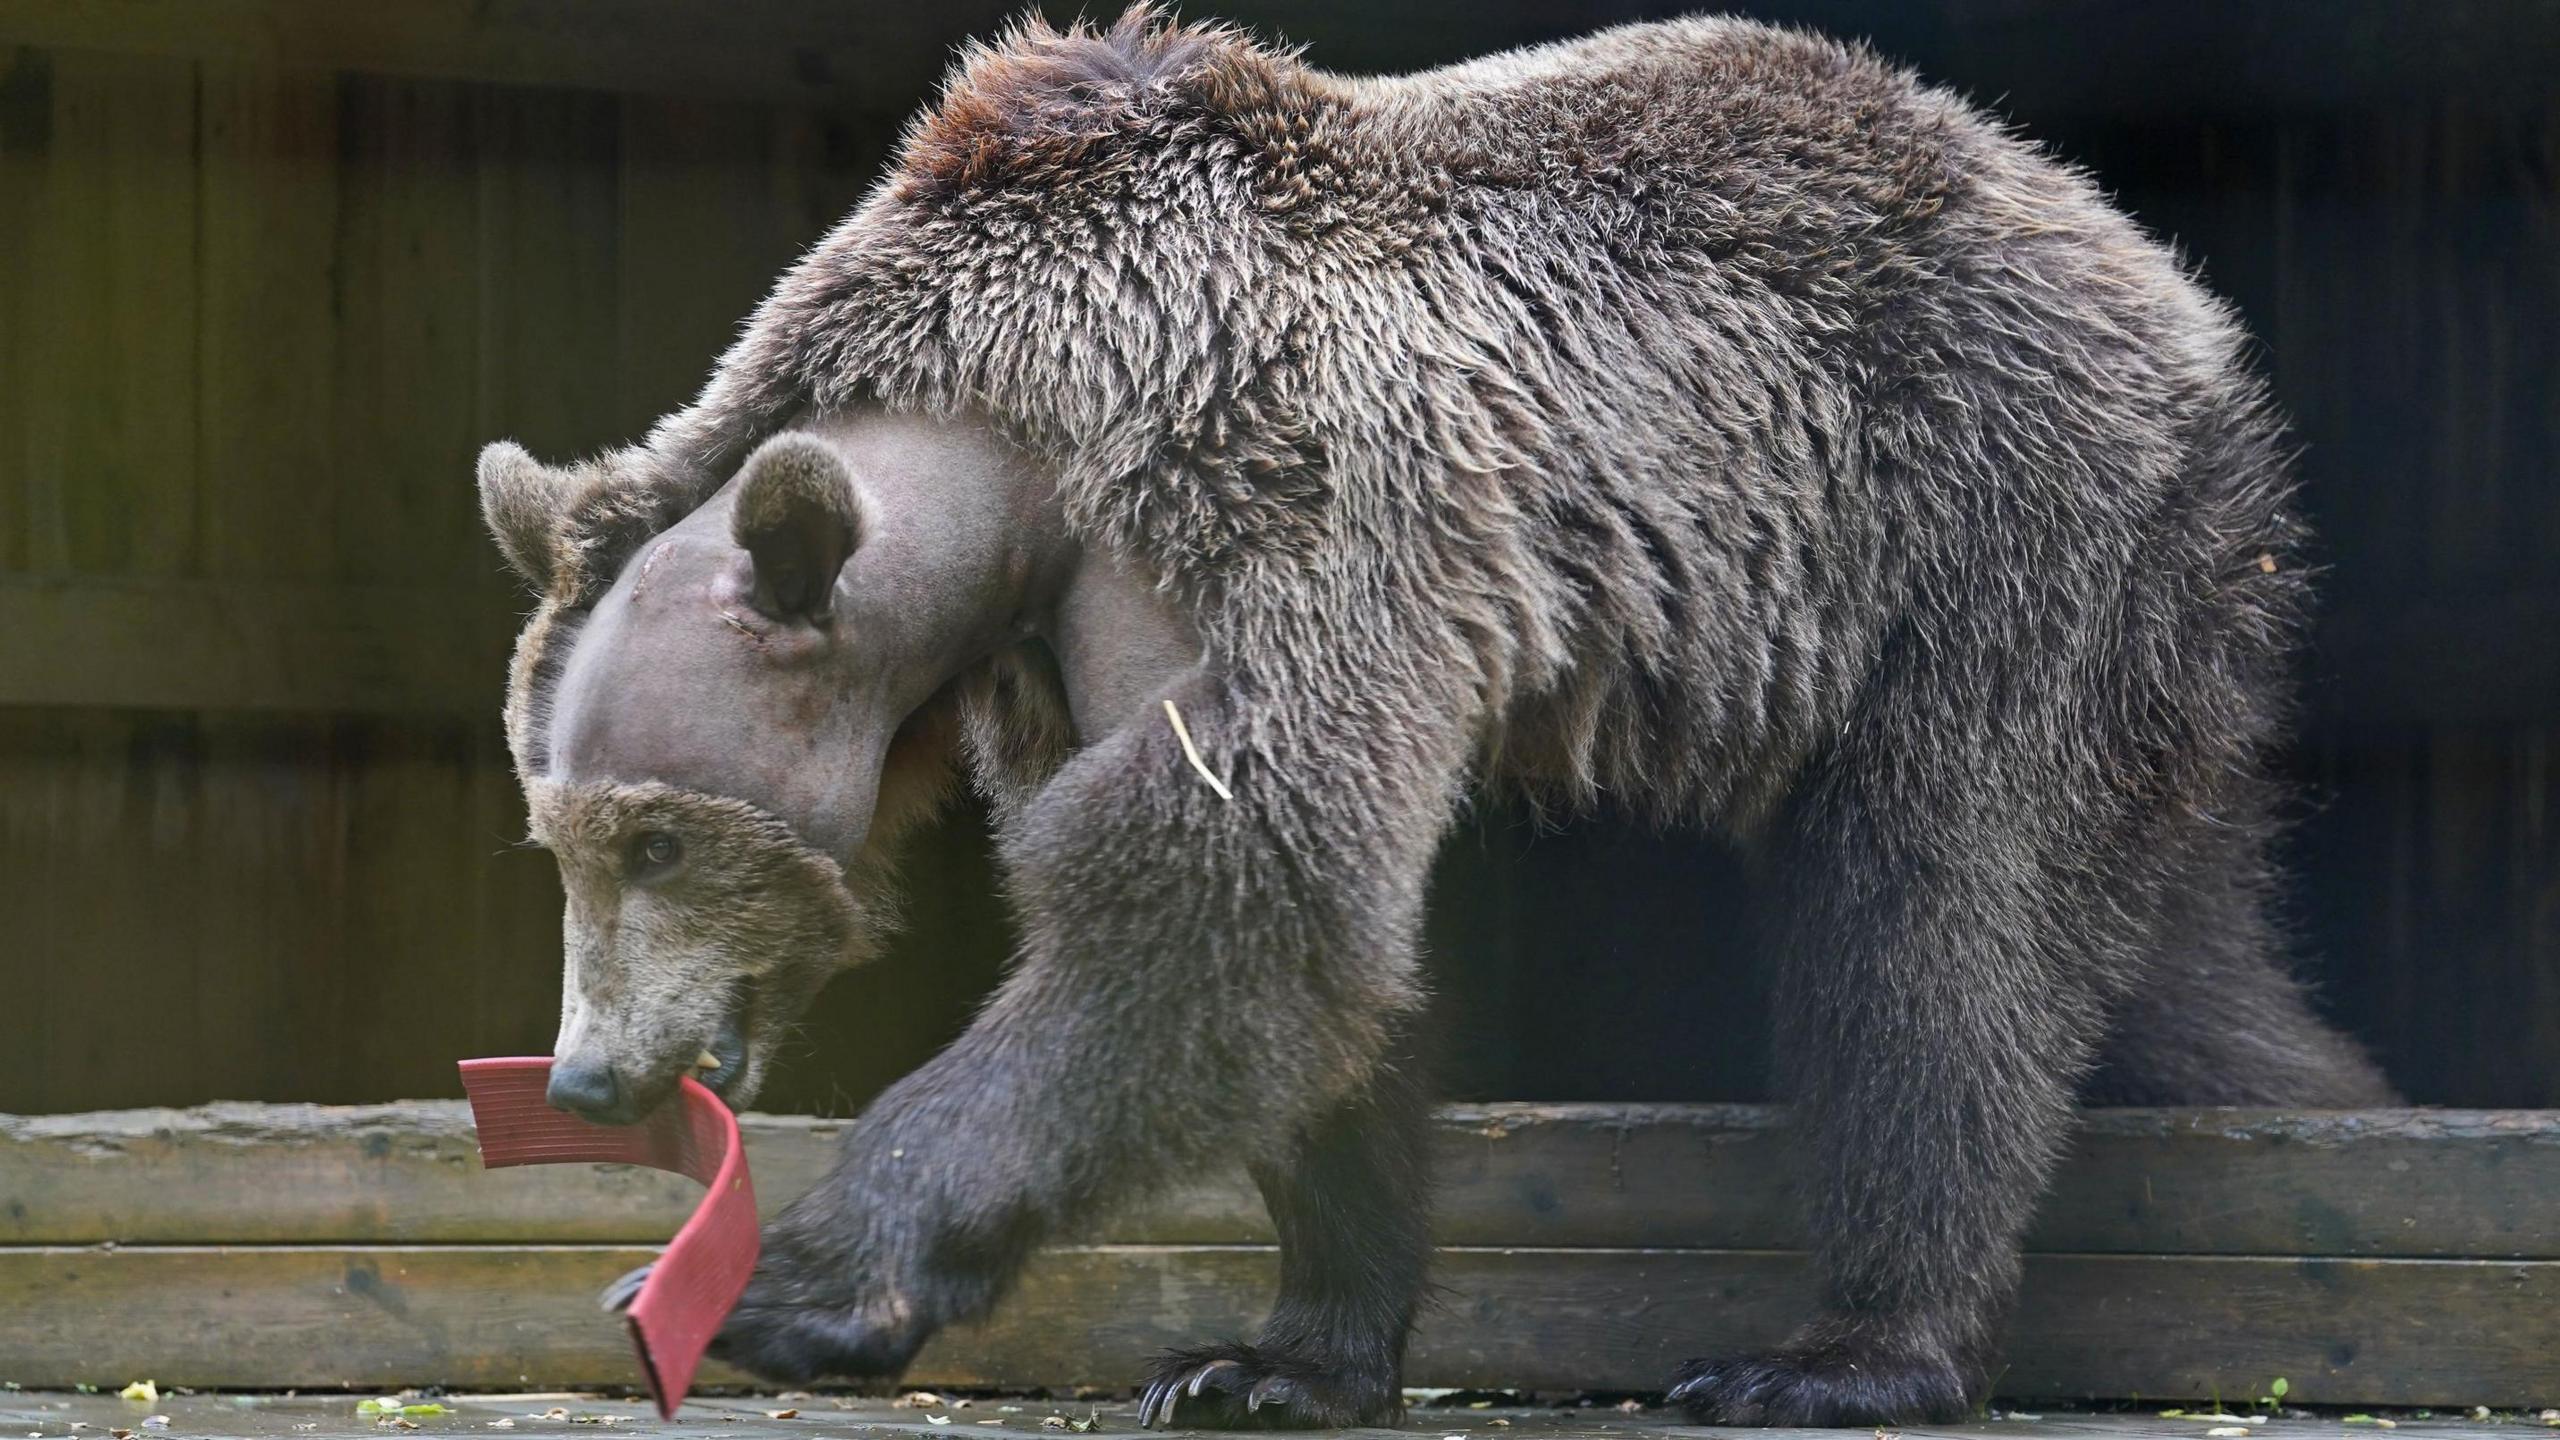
(855,1276)
(1201,979)
(859,1273)
(1349,1202)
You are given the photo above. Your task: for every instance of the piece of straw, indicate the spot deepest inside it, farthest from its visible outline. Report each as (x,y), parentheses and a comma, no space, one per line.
(1182,733)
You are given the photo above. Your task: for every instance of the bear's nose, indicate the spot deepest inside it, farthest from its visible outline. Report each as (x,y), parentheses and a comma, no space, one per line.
(585,1087)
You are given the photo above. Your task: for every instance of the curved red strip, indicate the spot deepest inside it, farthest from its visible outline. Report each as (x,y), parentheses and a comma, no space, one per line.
(698,1280)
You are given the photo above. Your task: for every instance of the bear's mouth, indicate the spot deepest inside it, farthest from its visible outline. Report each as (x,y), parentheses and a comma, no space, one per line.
(728,1045)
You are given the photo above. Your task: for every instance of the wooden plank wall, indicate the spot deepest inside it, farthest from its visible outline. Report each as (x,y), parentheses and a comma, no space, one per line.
(2396,260)
(270,270)
(256,821)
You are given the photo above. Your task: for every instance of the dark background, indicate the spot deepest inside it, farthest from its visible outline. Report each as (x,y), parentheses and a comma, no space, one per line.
(271,270)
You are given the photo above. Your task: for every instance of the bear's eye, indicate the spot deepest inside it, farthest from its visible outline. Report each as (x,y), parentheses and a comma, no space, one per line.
(656,850)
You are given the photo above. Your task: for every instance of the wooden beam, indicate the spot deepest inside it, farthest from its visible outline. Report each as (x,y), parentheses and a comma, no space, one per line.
(2167,58)
(793,51)
(239,645)
(2380,1183)
(2482,659)
(2184,59)
(2355,1332)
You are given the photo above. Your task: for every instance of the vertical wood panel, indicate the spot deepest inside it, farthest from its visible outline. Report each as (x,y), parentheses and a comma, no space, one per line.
(514,974)
(267,356)
(408,285)
(410,931)
(26,130)
(550,328)
(716,200)
(2416,342)
(408,310)
(550,322)
(29,773)
(264,929)
(256,908)
(103,351)
(96,839)
(266,854)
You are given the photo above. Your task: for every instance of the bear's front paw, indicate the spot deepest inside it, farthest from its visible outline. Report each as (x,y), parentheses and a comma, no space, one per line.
(1244,1387)
(795,1341)
(1827,1383)
(799,1343)
(617,1297)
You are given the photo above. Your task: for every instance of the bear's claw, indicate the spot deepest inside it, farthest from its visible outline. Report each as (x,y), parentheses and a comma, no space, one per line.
(1240,1387)
(1825,1386)
(617,1297)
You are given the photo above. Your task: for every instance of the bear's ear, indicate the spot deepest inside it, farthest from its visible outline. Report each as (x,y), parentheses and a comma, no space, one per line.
(521,500)
(799,519)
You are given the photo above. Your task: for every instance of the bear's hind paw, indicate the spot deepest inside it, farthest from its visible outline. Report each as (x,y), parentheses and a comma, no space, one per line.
(1242,1387)
(1825,1386)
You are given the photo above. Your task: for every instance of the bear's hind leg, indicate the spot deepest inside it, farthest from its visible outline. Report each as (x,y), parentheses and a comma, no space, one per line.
(2216,1017)
(1939,998)
(1350,1203)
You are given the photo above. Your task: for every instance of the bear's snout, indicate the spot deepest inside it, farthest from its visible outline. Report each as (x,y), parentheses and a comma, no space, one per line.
(590,1089)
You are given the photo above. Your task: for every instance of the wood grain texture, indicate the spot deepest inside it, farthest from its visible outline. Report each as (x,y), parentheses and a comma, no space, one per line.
(267,342)
(2424,1332)
(26,135)
(2375,1184)
(256,831)
(788,51)
(716,199)
(2409,301)
(748,1415)
(550,196)
(99,787)
(2165,58)
(183,645)
(102,351)
(408,283)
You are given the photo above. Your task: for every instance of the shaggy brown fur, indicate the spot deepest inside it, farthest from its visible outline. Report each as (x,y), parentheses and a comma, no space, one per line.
(1702,420)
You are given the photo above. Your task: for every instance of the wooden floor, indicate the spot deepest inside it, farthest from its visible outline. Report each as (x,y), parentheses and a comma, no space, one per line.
(55,1415)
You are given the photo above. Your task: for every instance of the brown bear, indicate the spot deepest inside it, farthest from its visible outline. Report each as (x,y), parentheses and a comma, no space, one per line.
(1227,466)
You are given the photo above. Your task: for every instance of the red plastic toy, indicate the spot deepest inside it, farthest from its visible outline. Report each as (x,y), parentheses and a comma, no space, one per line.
(698,1280)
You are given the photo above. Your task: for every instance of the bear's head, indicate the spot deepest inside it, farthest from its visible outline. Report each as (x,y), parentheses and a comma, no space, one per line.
(719,745)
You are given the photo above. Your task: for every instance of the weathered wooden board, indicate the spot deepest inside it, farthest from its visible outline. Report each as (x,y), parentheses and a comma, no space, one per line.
(267,341)
(25,77)
(187,906)
(717,200)
(409,277)
(102,343)
(2392,1183)
(550,316)
(2429,1332)
(748,1415)
(246,645)
(2139,59)
(784,50)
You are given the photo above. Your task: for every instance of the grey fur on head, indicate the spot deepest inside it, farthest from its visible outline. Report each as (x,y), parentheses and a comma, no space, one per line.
(1702,420)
